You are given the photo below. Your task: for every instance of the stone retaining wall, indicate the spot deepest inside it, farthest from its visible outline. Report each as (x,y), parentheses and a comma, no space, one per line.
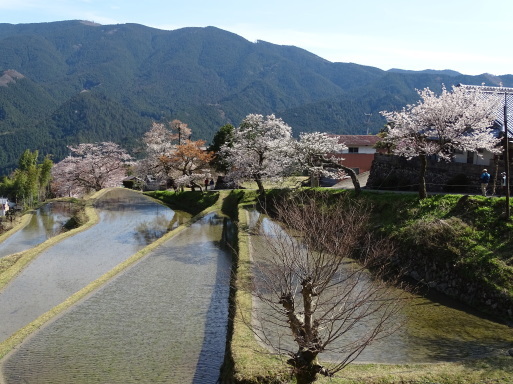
(389,172)
(444,279)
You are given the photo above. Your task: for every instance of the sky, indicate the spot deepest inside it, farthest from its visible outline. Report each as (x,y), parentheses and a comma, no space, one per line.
(468,36)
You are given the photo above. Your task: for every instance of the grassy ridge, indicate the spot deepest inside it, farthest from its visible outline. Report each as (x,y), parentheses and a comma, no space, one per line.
(192,202)
(464,239)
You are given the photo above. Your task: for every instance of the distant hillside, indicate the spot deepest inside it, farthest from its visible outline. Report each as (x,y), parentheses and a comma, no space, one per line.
(68,82)
(448,72)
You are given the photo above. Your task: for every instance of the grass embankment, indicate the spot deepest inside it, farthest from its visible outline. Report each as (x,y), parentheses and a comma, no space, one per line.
(18,223)
(480,237)
(192,202)
(460,245)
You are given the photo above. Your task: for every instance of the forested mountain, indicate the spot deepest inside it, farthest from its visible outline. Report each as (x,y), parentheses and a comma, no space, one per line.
(68,82)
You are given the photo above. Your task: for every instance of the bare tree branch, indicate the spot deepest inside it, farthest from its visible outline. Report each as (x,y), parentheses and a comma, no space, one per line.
(313,292)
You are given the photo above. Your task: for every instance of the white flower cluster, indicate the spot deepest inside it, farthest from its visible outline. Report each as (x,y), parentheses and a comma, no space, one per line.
(263,148)
(437,125)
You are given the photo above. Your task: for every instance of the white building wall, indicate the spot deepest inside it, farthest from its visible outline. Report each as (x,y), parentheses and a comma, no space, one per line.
(486,158)
(366,150)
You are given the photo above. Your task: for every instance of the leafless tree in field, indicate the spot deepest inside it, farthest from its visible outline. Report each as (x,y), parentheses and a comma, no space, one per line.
(312,289)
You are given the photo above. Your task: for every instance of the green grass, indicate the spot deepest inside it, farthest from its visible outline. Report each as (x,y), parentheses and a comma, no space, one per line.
(192,202)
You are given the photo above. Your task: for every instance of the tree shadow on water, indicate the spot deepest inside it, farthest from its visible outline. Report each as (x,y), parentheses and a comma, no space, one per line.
(457,350)
(212,353)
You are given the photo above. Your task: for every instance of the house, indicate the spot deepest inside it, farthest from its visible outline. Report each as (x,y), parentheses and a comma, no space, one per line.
(360,151)
(504,99)
(4,206)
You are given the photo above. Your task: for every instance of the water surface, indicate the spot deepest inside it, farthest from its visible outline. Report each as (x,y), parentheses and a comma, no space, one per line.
(432,328)
(162,321)
(128,222)
(46,222)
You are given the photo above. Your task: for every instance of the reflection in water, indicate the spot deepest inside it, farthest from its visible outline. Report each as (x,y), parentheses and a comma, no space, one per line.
(436,329)
(47,221)
(149,231)
(70,265)
(162,321)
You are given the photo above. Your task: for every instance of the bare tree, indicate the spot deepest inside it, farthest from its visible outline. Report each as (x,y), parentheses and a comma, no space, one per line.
(313,292)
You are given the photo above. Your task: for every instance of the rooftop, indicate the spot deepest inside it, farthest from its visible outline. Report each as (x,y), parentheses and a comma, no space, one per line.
(358,140)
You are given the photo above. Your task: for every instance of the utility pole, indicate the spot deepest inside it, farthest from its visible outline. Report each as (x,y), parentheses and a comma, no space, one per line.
(369,115)
(506,155)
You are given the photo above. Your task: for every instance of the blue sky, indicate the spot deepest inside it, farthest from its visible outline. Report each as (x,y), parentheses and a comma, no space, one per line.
(468,36)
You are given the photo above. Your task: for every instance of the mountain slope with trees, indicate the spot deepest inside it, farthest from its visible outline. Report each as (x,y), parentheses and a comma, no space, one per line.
(77,81)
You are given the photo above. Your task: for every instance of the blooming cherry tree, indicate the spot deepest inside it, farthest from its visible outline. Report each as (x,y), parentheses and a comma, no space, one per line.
(171,155)
(310,153)
(437,125)
(160,142)
(260,149)
(189,162)
(90,167)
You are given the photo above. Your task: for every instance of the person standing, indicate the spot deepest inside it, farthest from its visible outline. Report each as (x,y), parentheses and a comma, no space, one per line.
(484,179)
(502,190)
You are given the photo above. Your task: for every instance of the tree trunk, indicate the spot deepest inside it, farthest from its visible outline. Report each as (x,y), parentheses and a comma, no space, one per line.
(259,183)
(305,376)
(349,171)
(306,366)
(314,180)
(354,179)
(422,176)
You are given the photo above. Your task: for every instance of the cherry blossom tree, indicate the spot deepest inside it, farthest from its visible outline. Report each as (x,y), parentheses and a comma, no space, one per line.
(312,154)
(90,167)
(183,132)
(162,143)
(159,142)
(438,125)
(260,148)
(190,163)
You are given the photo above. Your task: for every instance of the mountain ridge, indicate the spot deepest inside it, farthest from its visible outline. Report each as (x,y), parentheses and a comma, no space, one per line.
(206,77)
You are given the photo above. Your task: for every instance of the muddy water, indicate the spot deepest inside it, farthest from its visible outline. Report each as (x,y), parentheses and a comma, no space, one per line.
(162,321)
(46,222)
(432,328)
(128,222)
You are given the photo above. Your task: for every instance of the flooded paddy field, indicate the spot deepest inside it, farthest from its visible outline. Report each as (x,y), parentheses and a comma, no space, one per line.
(431,327)
(128,221)
(46,221)
(162,321)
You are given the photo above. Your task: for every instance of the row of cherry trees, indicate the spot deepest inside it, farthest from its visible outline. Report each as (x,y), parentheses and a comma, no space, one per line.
(262,147)
(170,156)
